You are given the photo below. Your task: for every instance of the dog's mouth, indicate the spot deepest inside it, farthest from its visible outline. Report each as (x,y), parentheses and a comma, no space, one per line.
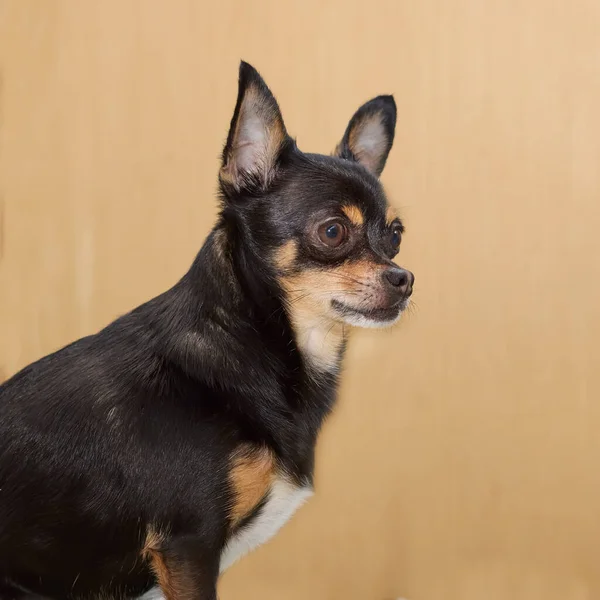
(370,317)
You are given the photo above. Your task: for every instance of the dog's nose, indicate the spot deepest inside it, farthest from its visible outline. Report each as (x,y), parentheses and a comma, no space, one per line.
(401,281)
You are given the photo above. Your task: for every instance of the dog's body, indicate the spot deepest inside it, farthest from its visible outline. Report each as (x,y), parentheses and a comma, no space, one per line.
(155,453)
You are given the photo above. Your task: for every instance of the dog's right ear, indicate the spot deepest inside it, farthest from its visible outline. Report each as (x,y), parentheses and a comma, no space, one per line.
(256,135)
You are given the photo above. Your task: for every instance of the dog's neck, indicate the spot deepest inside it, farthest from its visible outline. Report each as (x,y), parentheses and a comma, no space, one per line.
(237,298)
(210,328)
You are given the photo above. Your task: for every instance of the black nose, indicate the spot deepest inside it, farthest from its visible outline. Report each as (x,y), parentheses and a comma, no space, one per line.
(401,280)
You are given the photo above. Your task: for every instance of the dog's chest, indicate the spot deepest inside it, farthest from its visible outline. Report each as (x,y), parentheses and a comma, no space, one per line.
(283,499)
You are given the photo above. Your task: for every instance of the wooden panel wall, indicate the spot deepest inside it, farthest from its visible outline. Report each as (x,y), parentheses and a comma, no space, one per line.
(463,462)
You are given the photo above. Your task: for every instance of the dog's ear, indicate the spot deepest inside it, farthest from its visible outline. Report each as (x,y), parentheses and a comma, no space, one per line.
(370,134)
(256,135)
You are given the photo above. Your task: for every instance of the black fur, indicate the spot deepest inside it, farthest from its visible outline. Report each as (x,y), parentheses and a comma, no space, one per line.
(135,425)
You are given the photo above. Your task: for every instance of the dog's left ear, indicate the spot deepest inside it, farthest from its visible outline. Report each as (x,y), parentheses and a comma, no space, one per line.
(370,134)
(256,135)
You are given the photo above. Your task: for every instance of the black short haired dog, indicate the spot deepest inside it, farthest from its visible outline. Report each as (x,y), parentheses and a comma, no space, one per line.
(147,458)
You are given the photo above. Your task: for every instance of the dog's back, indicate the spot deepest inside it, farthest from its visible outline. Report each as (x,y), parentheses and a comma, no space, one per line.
(61,504)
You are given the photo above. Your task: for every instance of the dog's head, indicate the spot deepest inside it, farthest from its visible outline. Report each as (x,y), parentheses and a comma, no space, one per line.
(322,223)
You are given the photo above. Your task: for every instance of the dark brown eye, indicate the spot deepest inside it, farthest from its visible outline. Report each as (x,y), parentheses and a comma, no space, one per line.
(333,233)
(396,237)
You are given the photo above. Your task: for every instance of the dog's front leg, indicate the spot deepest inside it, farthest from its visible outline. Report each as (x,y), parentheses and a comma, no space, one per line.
(185,569)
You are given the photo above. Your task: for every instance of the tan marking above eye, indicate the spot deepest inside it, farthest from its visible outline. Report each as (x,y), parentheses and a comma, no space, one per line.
(252,474)
(354,214)
(390,215)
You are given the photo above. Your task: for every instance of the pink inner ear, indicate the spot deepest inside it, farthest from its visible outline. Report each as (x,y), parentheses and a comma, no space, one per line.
(369,143)
(258,137)
(251,143)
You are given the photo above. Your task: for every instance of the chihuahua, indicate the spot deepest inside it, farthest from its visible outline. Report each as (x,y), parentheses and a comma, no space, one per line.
(142,461)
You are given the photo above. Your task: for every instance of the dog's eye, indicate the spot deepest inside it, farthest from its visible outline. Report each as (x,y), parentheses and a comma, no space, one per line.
(396,237)
(333,233)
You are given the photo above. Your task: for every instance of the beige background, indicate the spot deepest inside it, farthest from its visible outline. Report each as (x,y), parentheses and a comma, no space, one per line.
(463,461)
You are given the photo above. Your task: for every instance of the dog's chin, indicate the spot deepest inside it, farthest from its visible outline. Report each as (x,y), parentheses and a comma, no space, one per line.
(369,317)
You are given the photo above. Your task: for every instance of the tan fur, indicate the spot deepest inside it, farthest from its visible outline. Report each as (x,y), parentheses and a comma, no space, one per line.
(318,335)
(252,474)
(286,255)
(151,552)
(354,214)
(163,576)
(319,332)
(390,215)
(361,270)
(154,541)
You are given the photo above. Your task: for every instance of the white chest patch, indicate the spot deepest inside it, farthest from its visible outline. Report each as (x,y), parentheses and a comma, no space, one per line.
(284,499)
